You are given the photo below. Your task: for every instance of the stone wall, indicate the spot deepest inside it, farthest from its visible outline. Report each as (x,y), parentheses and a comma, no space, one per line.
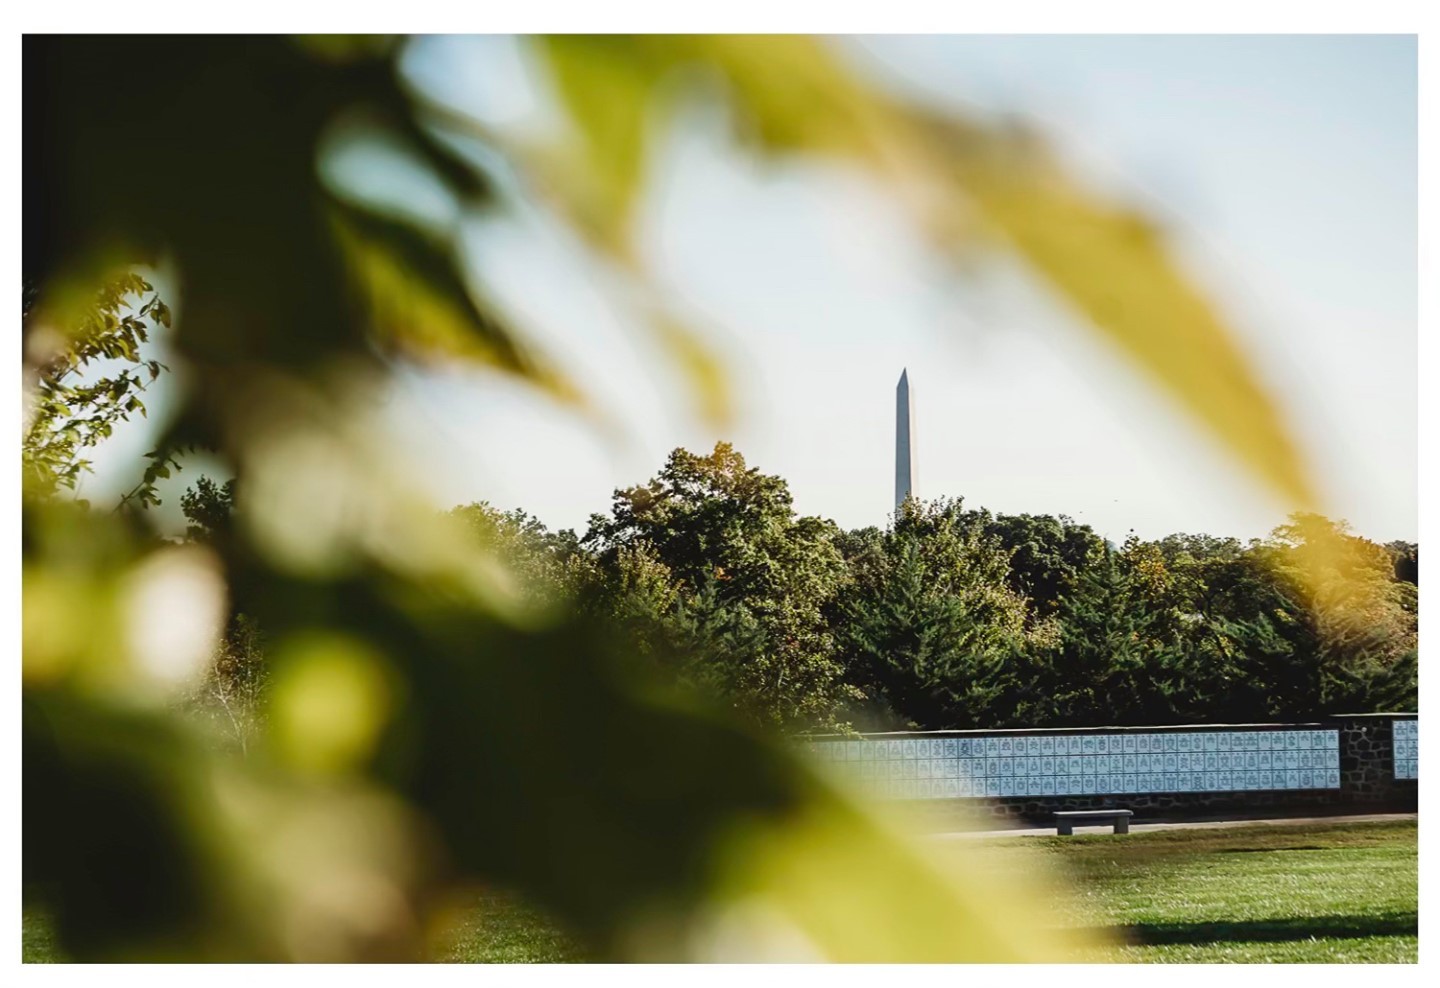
(1367,775)
(1367,760)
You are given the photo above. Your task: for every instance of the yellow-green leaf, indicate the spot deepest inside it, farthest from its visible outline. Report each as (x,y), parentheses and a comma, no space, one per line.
(1113,267)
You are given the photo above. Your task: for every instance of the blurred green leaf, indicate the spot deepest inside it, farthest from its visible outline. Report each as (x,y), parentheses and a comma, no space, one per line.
(420,305)
(1113,267)
(607,87)
(478,740)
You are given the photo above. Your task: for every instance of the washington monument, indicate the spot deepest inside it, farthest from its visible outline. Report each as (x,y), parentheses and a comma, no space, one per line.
(904,439)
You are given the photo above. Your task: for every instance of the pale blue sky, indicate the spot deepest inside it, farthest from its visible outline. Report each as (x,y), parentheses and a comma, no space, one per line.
(1284,169)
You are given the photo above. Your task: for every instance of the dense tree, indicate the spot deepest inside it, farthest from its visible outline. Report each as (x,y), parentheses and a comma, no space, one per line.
(1304,623)
(541,562)
(948,618)
(209,508)
(1047,556)
(750,581)
(1232,616)
(1114,660)
(956,618)
(928,615)
(1407,561)
(1350,612)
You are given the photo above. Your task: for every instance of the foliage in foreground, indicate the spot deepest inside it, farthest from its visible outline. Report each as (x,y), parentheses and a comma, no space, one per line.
(426,726)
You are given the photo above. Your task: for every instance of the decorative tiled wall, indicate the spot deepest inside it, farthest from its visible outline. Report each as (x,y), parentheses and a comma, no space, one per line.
(1091,763)
(1407,749)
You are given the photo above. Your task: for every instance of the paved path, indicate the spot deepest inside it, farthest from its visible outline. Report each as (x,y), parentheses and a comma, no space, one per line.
(1140,828)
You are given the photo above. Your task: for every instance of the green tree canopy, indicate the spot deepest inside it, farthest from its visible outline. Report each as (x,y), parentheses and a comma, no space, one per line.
(751,581)
(929,616)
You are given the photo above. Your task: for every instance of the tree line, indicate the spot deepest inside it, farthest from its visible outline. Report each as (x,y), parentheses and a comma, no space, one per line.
(949,617)
(953,617)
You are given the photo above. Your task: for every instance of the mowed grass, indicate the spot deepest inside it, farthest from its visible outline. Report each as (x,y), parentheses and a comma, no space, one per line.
(1343,893)
(37,939)
(498,928)
(1328,893)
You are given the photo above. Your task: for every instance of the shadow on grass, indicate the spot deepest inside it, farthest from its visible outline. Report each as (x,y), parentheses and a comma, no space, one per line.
(1272,930)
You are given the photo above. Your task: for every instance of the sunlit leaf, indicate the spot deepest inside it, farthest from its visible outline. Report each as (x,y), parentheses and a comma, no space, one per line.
(419,709)
(420,305)
(607,90)
(1112,266)
(919,905)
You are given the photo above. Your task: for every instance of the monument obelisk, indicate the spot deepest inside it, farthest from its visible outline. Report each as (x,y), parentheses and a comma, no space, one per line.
(904,439)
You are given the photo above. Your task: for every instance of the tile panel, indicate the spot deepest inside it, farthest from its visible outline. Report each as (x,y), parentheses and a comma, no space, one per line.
(1098,764)
(1406,735)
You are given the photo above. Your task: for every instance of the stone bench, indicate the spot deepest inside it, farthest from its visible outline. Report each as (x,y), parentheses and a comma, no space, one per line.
(1065,820)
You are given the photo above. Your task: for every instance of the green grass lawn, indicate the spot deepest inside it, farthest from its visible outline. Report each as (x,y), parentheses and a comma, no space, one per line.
(1331,893)
(37,942)
(499,929)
